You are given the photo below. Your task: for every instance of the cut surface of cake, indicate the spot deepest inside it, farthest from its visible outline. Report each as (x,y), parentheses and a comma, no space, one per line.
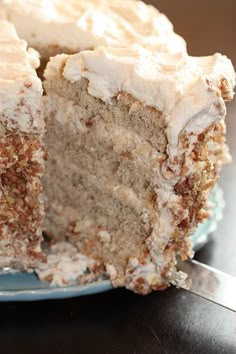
(136,141)
(58,26)
(21,153)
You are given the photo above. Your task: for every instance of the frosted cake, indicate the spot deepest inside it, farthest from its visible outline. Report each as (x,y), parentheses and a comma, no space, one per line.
(135,135)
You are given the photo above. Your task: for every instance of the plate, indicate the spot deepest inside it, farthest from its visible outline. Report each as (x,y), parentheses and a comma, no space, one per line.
(27,287)
(205,231)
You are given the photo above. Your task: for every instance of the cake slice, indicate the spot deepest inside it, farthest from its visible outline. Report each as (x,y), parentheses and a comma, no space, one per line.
(58,26)
(21,153)
(136,141)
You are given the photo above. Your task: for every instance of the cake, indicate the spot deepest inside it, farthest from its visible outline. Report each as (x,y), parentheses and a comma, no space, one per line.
(21,153)
(136,141)
(135,135)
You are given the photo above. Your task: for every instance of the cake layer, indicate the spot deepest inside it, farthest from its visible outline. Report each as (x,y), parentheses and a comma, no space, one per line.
(88,23)
(22,153)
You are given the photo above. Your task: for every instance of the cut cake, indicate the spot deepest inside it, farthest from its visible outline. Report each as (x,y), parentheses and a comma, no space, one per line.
(135,136)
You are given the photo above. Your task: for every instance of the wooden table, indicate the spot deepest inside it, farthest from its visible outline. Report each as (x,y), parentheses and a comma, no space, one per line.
(173,321)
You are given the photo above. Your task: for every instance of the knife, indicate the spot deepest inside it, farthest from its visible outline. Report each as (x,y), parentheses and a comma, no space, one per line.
(210,283)
(206,282)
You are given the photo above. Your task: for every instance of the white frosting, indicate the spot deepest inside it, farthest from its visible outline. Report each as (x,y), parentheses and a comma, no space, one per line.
(33,58)
(187,90)
(111,271)
(20,88)
(146,271)
(64,265)
(88,23)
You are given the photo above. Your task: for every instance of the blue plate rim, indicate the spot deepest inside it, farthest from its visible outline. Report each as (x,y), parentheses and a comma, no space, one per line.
(55,292)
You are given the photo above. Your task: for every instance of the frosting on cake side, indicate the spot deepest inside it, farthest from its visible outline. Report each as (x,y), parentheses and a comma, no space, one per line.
(20,88)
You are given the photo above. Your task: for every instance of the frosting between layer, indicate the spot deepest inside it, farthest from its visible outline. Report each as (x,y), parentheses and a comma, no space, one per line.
(189,91)
(20,88)
(88,23)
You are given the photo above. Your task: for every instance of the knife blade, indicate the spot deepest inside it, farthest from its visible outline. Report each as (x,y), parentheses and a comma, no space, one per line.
(210,283)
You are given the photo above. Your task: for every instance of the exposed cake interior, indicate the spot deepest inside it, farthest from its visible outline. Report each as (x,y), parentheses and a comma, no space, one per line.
(135,140)
(21,153)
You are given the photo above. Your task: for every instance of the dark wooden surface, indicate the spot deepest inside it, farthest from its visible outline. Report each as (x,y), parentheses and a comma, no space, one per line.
(173,321)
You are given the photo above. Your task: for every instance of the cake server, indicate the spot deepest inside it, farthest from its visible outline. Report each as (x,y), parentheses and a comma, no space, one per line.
(210,283)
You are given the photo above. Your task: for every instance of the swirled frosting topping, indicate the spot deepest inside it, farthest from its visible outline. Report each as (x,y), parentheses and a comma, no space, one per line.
(88,23)
(20,88)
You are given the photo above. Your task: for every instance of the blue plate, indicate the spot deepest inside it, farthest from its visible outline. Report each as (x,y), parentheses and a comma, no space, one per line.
(27,287)
(206,230)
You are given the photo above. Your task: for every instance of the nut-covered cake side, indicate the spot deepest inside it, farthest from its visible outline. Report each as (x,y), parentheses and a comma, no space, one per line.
(22,153)
(139,139)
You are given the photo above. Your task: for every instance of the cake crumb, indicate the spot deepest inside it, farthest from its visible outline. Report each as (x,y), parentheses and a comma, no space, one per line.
(104,236)
(182,280)
(111,271)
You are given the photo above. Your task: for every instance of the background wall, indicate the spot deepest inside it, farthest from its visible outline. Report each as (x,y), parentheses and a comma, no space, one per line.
(207,26)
